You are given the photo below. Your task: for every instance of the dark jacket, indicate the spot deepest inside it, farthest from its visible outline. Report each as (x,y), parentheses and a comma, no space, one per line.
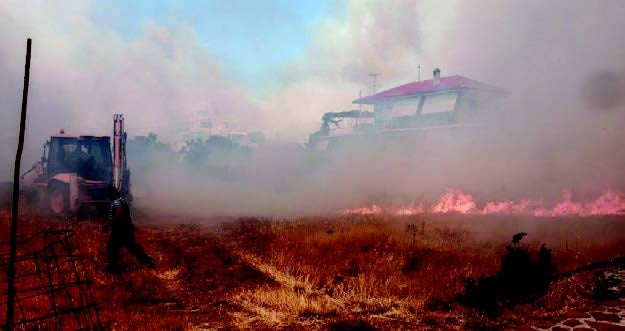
(119,216)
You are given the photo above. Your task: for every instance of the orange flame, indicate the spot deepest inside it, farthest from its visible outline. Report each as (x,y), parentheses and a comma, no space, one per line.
(456,201)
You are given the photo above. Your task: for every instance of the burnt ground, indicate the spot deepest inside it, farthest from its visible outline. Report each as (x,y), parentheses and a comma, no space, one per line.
(195,278)
(192,286)
(329,273)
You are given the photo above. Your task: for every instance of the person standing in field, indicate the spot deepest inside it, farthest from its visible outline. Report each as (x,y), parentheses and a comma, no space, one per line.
(122,232)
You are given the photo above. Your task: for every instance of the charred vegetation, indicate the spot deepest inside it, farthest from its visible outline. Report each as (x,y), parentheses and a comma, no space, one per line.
(521,279)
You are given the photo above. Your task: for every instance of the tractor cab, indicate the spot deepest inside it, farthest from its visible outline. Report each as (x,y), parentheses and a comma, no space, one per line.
(89,157)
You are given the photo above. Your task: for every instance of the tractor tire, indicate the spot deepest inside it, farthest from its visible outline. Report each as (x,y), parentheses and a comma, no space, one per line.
(58,198)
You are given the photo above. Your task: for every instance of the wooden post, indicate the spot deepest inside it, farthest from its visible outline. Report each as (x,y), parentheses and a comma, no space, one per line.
(16,193)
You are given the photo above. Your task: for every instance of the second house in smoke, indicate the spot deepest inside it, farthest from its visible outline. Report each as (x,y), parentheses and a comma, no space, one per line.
(440,104)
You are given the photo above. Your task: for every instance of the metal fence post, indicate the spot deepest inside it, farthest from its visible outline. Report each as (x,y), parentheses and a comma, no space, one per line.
(16,192)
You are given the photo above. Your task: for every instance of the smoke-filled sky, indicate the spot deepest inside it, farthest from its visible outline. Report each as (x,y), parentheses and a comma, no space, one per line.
(276,66)
(270,66)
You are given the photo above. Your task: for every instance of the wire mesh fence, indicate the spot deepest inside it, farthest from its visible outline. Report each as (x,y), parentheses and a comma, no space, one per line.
(52,289)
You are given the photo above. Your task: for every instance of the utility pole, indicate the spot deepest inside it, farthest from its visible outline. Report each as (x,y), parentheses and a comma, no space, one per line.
(360,103)
(359,120)
(16,193)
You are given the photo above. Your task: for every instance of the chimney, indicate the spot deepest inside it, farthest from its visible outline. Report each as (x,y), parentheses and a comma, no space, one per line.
(437,76)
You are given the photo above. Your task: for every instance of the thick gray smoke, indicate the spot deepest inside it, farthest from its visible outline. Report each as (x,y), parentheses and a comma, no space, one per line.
(564,64)
(561,125)
(83,73)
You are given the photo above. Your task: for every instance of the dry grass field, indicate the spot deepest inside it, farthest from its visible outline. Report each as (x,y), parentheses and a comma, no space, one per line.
(338,273)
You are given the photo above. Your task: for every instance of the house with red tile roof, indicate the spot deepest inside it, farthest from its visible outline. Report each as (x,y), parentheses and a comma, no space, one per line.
(440,100)
(438,103)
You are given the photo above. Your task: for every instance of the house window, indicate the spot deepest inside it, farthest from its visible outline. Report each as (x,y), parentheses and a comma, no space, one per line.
(439,103)
(405,107)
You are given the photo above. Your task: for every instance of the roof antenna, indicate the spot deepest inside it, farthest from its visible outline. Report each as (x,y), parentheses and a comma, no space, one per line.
(419,68)
(374,75)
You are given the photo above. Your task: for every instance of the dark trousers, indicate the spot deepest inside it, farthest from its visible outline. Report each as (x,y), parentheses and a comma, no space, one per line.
(125,238)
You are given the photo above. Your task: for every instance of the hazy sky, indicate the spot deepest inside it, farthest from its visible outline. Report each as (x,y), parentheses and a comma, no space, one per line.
(273,66)
(251,40)
(276,66)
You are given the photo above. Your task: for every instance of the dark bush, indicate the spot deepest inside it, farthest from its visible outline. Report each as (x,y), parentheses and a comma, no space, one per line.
(521,279)
(604,287)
